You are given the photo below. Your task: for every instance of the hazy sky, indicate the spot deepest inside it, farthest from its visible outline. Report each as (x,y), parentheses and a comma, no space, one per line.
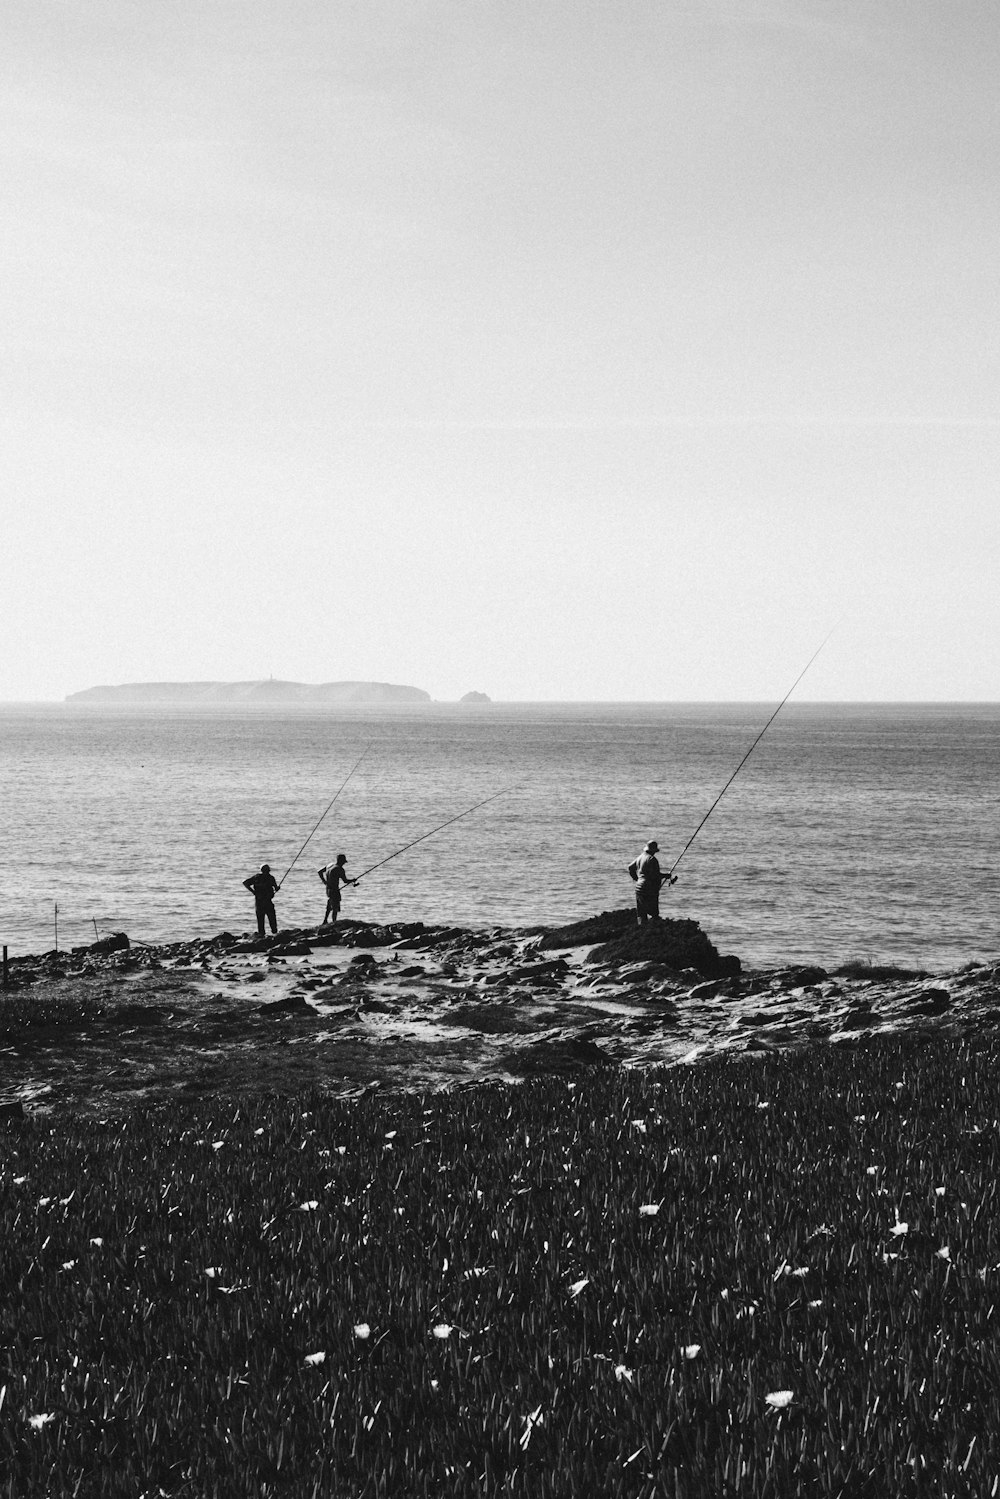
(551,348)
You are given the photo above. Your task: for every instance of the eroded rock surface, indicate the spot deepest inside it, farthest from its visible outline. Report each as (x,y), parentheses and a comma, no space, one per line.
(414,1006)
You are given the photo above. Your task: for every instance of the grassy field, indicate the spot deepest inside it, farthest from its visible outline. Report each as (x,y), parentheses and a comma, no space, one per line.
(768,1277)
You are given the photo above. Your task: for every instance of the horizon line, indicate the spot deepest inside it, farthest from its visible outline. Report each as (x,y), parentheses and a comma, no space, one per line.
(610,702)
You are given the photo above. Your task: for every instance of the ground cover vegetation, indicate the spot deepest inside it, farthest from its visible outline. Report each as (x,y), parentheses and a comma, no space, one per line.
(766,1276)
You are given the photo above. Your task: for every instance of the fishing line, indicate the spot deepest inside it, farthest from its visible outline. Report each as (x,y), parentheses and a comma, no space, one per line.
(456,818)
(340,788)
(746,757)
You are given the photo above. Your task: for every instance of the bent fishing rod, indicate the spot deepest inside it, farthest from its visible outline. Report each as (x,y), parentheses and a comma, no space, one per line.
(458,816)
(668,877)
(329,804)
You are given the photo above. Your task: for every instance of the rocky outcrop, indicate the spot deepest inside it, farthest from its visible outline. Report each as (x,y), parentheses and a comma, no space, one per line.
(673,945)
(114,942)
(603,928)
(356,1006)
(617,940)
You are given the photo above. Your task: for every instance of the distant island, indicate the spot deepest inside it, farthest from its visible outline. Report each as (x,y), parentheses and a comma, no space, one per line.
(269,691)
(475,697)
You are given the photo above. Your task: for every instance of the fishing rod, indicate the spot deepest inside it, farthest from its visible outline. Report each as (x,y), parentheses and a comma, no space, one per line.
(456,818)
(668,877)
(329,804)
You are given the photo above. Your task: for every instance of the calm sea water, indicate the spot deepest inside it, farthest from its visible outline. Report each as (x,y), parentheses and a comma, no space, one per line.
(853,831)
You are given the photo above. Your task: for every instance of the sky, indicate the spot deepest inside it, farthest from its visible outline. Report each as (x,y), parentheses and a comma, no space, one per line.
(546,348)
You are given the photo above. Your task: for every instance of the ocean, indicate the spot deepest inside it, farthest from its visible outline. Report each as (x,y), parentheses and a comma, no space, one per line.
(854,831)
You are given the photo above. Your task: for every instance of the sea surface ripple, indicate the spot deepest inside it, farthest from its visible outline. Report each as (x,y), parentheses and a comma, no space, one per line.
(854,830)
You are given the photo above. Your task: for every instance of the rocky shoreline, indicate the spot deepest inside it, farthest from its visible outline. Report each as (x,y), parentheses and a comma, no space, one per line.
(343,1009)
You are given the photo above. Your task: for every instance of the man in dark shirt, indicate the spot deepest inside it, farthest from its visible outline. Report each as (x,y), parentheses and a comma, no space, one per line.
(263,887)
(648,880)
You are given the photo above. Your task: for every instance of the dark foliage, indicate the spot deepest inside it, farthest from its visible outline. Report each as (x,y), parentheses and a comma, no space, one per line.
(768,1277)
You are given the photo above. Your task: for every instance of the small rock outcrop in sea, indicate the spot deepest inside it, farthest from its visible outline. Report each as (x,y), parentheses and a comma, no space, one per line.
(475,697)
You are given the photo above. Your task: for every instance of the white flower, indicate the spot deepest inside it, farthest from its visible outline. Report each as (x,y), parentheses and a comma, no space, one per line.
(211,1272)
(310,1206)
(621,1372)
(442,1330)
(898,1229)
(530,1422)
(19,1180)
(648,1209)
(218,1144)
(362,1330)
(316,1358)
(68,1264)
(779,1400)
(944,1253)
(259,1131)
(691,1350)
(819,1302)
(939,1191)
(97,1243)
(578,1285)
(43,1419)
(640,1125)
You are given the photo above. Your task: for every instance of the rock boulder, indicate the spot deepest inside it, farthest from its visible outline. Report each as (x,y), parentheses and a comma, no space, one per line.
(672,944)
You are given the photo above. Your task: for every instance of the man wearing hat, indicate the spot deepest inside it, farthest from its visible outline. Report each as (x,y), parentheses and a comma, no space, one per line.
(263,887)
(646,872)
(333,876)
